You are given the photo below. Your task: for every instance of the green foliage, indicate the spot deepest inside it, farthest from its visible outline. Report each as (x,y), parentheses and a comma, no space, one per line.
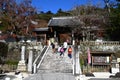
(1,27)
(9,62)
(45,16)
(62,13)
(81,62)
(114,26)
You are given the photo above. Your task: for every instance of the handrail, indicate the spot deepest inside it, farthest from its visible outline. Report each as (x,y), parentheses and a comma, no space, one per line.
(42,57)
(42,53)
(39,59)
(38,56)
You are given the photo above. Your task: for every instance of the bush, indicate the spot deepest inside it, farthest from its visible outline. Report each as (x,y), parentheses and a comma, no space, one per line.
(9,62)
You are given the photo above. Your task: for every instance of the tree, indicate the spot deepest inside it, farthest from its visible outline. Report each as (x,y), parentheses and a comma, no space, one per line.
(60,12)
(90,17)
(16,17)
(45,16)
(113,27)
(49,12)
(107,5)
(110,4)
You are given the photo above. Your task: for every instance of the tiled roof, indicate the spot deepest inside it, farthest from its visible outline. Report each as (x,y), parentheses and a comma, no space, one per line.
(64,21)
(41,29)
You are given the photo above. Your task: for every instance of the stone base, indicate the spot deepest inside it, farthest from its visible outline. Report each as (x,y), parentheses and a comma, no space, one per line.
(21,66)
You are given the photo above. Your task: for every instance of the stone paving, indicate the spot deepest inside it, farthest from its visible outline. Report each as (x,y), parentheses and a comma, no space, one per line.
(54,67)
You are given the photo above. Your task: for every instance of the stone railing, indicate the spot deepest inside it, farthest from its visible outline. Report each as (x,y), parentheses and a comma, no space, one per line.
(39,59)
(100,43)
(101,46)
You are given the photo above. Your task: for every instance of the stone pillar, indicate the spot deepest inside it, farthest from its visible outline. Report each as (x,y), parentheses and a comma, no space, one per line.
(23,53)
(30,61)
(74,62)
(34,68)
(21,64)
(78,69)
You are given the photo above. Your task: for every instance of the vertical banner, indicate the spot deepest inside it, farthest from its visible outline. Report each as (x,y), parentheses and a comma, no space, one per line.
(89,56)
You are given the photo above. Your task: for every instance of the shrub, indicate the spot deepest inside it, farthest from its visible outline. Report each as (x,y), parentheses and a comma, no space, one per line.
(9,62)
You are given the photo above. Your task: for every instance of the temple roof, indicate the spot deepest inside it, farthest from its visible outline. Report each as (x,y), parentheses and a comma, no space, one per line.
(41,29)
(64,21)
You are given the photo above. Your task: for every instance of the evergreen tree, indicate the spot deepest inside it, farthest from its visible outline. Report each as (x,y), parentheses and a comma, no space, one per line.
(113,28)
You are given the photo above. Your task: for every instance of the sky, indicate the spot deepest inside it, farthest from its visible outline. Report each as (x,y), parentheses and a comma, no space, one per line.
(65,5)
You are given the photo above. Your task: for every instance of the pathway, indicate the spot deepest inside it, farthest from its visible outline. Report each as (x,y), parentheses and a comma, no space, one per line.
(54,67)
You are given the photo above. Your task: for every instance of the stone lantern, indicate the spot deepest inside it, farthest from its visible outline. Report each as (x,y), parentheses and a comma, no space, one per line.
(21,64)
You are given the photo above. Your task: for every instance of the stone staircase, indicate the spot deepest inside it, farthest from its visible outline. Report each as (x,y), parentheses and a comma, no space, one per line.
(55,63)
(54,67)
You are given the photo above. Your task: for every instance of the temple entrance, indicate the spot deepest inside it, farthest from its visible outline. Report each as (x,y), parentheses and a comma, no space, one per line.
(65,37)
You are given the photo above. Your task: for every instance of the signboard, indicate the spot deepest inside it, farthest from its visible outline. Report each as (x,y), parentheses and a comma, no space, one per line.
(101,59)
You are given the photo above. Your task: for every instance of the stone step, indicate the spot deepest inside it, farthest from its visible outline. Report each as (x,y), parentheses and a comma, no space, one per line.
(54,61)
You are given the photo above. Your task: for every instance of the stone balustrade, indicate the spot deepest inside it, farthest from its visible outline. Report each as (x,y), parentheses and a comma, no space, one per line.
(100,43)
(101,46)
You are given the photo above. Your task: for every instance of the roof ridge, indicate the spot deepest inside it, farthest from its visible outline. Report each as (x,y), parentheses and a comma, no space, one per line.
(63,17)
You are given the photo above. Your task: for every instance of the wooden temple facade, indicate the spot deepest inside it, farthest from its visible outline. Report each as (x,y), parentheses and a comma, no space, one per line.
(64,28)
